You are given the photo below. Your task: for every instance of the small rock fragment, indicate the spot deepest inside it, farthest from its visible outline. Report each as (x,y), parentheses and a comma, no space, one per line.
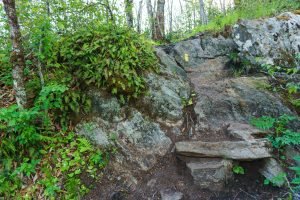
(245,132)
(212,173)
(273,172)
(170,195)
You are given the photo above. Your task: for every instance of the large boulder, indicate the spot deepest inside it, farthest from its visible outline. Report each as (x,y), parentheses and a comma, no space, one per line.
(138,138)
(192,53)
(272,41)
(236,100)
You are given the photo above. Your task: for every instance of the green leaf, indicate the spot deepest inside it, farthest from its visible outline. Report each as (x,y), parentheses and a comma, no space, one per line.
(238,170)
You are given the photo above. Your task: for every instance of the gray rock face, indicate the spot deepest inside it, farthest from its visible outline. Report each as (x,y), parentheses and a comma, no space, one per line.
(192,53)
(139,139)
(94,131)
(240,150)
(147,137)
(236,100)
(209,71)
(212,174)
(269,41)
(164,99)
(272,170)
(105,106)
(170,64)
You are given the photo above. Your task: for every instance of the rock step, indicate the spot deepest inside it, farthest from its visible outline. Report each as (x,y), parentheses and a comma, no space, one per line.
(239,150)
(211,174)
(245,132)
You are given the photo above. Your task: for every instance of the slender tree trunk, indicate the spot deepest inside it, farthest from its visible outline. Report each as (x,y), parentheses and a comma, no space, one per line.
(39,64)
(171,17)
(128,11)
(181,9)
(159,33)
(17,54)
(48,7)
(194,15)
(203,16)
(150,17)
(139,16)
(223,6)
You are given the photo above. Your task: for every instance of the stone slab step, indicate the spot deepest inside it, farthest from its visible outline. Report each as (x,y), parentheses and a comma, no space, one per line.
(239,150)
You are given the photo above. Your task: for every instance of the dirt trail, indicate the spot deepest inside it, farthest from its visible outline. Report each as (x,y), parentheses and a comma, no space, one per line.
(171,176)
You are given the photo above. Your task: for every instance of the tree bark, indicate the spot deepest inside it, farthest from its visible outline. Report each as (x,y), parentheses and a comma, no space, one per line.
(203,16)
(17,54)
(159,33)
(171,17)
(150,17)
(128,11)
(223,6)
(139,16)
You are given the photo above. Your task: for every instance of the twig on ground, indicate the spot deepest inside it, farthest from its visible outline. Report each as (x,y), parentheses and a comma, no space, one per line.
(248,193)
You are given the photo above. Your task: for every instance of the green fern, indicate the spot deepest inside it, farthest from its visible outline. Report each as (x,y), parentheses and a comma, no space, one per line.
(264,123)
(282,135)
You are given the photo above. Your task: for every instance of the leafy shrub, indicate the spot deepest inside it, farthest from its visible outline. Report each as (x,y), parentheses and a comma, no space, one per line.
(113,57)
(282,135)
(5,69)
(30,143)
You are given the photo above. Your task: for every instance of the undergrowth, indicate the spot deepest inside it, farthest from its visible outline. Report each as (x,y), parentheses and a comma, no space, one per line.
(281,135)
(40,155)
(38,158)
(250,9)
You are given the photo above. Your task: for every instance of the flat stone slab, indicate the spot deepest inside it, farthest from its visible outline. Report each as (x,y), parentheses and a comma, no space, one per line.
(240,150)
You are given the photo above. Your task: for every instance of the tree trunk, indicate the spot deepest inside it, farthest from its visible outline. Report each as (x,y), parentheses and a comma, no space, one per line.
(150,17)
(203,16)
(171,18)
(17,54)
(223,6)
(128,11)
(159,31)
(139,16)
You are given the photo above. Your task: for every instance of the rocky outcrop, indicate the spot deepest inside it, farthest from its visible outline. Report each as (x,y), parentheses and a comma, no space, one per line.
(272,41)
(192,53)
(164,98)
(239,150)
(146,139)
(146,131)
(139,139)
(236,100)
